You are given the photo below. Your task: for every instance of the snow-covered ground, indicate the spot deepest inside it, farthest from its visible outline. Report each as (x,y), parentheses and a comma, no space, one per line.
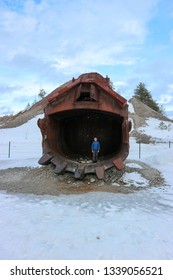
(137,225)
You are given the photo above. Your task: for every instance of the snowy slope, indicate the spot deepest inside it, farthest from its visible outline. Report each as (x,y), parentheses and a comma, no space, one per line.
(24,143)
(158,130)
(136,225)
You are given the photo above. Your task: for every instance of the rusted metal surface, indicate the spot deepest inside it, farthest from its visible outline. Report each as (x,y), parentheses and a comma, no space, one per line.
(60,165)
(79,172)
(45,159)
(118,163)
(100,172)
(77,112)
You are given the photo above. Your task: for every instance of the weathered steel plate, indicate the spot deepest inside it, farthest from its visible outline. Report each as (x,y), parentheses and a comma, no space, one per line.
(100,171)
(76,112)
(118,163)
(79,173)
(60,168)
(45,159)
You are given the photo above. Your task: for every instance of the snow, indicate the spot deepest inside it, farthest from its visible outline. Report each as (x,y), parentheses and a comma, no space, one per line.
(20,146)
(133,165)
(136,225)
(163,130)
(134,179)
(11,163)
(28,131)
(130,108)
(90,226)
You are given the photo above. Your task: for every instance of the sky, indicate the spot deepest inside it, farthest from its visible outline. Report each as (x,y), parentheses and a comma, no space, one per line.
(45,43)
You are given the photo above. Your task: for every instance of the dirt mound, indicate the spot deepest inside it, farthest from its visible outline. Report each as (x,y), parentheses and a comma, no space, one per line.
(42,181)
(141,113)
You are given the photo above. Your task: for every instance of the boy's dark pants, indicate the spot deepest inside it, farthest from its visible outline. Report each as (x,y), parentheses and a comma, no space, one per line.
(95,156)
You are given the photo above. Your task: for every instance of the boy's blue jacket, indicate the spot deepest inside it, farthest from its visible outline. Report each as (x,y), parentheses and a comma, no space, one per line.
(95,146)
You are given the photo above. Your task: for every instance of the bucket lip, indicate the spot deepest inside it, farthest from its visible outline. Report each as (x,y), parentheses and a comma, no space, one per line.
(63,164)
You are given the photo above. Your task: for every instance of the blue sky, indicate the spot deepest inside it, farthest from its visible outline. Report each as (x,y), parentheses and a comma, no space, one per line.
(45,43)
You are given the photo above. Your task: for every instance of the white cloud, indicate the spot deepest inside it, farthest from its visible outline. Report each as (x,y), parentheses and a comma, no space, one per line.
(119,83)
(50,41)
(165,98)
(62,31)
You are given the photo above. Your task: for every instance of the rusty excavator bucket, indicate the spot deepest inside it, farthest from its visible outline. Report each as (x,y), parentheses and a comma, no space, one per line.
(75,113)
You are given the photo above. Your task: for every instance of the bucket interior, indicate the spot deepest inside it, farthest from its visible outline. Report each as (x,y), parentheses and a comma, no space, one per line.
(71,133)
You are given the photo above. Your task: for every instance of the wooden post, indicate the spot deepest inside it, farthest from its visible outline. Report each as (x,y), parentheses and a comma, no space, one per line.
(9,149)
(139,149)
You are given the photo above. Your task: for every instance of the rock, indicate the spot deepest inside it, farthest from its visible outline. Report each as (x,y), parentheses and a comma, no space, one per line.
(115,184)
(92,180)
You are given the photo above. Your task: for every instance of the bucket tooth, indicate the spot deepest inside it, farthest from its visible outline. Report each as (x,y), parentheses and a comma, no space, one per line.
(118,163)
(60,168)
(100,171)
(89,168)
(60,165)
(79,172)
(71,167)
(45,159)
(56,160)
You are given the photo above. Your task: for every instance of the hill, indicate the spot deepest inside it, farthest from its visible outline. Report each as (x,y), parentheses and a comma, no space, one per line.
(23,116)
(139,113)
(142,112)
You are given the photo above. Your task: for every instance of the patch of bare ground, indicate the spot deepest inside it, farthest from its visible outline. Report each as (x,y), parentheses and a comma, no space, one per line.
(43,181)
